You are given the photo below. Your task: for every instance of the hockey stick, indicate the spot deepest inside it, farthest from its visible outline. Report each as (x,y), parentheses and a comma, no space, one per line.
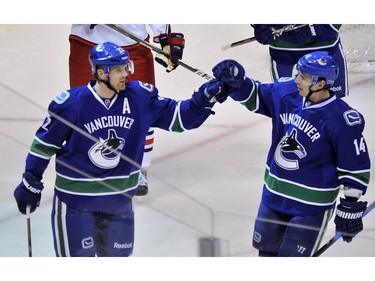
(28,223)
(339,234)
(277,32)
(157,50)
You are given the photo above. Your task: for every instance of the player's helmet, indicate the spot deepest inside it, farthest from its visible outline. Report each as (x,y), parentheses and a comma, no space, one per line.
(107,55)
(319,65)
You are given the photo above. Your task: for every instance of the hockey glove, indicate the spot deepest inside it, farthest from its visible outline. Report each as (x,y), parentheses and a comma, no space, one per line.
(207,94)
(263,34)
(173,44)
(28,192)
(230,73)
(348,218)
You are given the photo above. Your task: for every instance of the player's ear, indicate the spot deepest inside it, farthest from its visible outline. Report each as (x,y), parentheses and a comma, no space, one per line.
(321,83)
(100,73)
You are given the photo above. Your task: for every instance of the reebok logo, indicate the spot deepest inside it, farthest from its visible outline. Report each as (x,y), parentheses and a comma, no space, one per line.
(336,89)
(122,246)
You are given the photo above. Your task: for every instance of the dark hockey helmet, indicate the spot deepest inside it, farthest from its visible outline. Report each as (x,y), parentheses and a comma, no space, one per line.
(107,55)
(319,65)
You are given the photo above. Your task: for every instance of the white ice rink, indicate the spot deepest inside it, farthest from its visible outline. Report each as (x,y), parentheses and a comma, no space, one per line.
(203,183)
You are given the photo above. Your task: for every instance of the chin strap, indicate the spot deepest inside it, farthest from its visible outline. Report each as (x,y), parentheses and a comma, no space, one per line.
(311,92)
(107,83)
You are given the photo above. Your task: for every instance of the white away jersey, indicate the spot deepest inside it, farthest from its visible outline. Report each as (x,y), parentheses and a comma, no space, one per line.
(101,33)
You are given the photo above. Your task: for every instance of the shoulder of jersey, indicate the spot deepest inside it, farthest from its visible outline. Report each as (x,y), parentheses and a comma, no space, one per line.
(347,114)
(72,95)
(141,87)
(286,85)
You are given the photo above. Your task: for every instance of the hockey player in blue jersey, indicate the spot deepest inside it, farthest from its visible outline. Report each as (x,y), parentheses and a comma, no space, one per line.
(97,133)
(317,147)
(285,50)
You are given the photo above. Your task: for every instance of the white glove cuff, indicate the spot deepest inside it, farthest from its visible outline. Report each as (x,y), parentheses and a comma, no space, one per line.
(352,192)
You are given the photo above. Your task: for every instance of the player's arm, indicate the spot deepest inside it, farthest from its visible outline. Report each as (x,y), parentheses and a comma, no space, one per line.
(255,96)
(182,115)
(47,142)
(263,33)
(354,173)
(29,191)
(194,111)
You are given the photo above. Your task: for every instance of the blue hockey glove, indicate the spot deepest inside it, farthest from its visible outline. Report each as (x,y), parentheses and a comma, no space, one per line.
(230,73)
(348,218)
(28,192)
(173,44)
(263,34)
(207,94)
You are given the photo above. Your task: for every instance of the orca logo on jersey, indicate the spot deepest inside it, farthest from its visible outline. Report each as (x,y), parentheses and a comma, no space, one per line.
(106,153)
(289,144)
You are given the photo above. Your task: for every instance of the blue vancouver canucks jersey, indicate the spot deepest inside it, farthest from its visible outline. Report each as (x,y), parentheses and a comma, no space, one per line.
(291,45)
(99,144)
(316,147)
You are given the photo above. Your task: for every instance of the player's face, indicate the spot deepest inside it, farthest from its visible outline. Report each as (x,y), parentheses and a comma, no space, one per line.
(118,75)
(303,82)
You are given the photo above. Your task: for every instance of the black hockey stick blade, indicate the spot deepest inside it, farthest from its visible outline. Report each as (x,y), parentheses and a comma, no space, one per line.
(238,43)
(339,234)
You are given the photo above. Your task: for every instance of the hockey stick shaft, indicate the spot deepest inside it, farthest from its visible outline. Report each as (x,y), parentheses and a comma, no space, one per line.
(158,50)
(277,32)
(28,224)
(339,234)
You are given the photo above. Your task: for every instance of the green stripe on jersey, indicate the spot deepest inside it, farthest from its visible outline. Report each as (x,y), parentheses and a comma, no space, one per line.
(252,102)
(44,150)
(98,186)
(309,195)
(363,177)
(176,127)
(278,43)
